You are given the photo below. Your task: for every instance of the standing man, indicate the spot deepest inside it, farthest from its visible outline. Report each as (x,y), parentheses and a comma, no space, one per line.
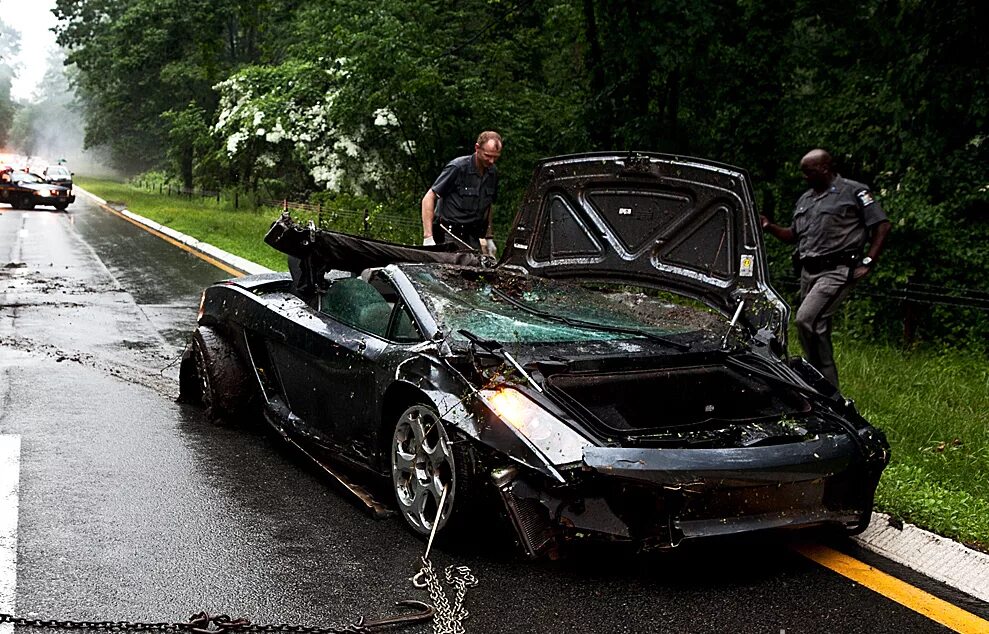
(832,223)
(465,189)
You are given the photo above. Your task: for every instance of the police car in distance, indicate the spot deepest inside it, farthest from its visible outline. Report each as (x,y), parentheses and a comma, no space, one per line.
(23,190)
(58,175)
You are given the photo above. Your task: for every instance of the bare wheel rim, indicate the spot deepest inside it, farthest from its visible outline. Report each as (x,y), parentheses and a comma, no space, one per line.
(422,464)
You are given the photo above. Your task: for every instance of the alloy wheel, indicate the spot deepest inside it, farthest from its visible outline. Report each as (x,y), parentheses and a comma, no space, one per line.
(422,465)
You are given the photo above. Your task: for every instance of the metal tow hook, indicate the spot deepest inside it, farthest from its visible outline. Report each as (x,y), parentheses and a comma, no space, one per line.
(423,612)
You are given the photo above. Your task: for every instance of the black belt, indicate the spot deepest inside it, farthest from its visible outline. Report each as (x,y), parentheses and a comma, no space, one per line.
(820,263)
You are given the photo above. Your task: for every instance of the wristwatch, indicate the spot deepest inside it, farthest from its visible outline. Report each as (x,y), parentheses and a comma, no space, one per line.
(867,262)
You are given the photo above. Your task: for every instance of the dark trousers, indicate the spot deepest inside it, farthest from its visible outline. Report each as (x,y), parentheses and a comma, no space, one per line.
(821,295)
(469,233)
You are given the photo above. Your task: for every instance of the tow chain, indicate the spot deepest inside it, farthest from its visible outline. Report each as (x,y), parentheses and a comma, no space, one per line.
(448,619)
(203,623)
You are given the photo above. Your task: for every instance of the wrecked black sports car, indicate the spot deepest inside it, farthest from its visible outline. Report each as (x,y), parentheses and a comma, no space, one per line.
(620,373)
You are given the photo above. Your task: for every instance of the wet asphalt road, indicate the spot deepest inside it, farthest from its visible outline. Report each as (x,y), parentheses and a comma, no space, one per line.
(134,507)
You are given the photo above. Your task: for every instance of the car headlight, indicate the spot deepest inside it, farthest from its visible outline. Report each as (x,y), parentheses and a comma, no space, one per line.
(554,438)
(55,192)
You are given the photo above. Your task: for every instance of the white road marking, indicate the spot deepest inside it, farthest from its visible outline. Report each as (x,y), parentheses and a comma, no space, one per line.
(10,459)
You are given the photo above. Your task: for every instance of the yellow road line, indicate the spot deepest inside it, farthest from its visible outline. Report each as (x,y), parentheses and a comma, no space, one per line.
(947,614)
(184,247)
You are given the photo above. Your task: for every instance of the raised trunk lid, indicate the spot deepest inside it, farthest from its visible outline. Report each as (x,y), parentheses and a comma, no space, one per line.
(683,225)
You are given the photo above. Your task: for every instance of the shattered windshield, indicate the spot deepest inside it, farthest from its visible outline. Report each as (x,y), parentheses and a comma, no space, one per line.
(477,301)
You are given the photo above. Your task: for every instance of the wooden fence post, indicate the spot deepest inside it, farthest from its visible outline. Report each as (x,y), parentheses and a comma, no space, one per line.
(367,223)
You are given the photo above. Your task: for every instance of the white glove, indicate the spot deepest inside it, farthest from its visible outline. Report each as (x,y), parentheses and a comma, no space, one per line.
(428,241)
(488,247)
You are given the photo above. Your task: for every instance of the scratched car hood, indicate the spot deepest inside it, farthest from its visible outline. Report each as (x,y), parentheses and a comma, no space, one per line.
(679,224)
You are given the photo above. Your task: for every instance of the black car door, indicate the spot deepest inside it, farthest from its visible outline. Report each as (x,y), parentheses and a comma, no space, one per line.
(324,364)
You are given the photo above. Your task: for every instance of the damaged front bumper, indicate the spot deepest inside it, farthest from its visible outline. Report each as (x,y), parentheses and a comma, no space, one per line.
(658,498)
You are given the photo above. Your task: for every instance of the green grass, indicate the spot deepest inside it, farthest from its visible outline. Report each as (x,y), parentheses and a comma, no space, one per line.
(239,231)
(933,407)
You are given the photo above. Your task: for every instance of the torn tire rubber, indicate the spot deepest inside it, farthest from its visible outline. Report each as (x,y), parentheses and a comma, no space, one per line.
(224,389)
(423,462)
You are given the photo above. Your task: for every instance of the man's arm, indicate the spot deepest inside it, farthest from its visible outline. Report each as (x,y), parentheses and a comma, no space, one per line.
(490,231)
(488,245)
(785,234)
(877,239)
(428,213)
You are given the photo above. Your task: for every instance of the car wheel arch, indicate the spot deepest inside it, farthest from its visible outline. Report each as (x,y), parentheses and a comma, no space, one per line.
(226,389)
(462,468)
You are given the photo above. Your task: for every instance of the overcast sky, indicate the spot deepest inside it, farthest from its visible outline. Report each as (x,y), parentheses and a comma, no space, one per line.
(33,18)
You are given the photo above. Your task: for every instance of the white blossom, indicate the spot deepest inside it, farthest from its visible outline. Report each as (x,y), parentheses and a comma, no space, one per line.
(384,117)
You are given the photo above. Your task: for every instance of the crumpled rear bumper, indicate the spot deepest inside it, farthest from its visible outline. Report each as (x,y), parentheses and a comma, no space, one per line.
(660,497)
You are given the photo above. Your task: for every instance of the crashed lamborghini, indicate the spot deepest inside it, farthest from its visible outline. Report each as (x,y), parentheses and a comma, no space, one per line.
(621,373)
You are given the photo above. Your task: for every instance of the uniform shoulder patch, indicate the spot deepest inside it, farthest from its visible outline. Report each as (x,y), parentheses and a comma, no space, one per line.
(865,197)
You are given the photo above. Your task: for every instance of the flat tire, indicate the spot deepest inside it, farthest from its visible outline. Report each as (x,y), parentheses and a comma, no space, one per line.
(223,386)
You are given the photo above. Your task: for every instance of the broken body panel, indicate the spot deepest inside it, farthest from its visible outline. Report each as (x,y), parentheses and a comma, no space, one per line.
(593,412)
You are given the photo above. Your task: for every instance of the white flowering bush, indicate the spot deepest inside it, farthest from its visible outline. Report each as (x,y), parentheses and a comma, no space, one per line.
(272,120)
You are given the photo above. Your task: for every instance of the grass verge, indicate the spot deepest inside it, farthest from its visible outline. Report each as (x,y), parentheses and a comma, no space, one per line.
(934,407)
(237,230)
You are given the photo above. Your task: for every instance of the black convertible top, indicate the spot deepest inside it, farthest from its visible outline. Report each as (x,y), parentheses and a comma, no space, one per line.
(319,250)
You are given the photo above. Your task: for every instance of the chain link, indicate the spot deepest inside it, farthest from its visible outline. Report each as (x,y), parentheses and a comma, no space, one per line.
(203,623)
(448,619)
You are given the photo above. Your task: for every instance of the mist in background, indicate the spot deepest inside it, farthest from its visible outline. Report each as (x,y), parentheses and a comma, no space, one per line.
(51,128)
(48,127)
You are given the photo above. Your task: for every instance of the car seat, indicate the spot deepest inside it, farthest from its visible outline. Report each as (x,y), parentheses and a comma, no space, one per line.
(355,302)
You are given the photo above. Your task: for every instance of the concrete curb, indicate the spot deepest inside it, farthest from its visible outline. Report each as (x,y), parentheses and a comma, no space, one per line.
(235,261)
(934,556)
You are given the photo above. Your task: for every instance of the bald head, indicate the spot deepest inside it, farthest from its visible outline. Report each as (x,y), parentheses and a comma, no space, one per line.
(816,167)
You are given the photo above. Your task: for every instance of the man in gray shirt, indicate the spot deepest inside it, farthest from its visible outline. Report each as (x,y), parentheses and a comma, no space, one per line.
(832,223)
(459,202)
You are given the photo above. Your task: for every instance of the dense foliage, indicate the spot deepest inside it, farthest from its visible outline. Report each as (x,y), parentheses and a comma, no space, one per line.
(372,99)
(9,45)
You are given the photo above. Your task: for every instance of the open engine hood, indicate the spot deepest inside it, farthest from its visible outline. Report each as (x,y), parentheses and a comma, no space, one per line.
(679,224)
